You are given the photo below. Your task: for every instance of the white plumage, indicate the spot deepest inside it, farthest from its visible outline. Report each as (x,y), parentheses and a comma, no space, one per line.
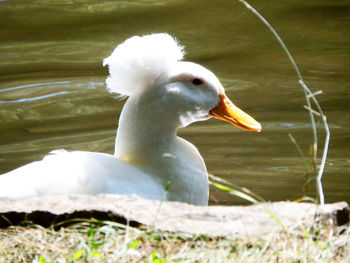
(164,94)
(140,61)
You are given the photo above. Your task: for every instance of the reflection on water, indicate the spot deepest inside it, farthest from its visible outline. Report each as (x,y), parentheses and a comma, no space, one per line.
(39,91)
(33,86)
(52,83)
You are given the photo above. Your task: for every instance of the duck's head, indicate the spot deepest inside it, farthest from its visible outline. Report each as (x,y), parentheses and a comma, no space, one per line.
(150,67)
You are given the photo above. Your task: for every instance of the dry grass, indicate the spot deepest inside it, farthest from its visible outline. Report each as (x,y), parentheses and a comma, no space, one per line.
(96,241)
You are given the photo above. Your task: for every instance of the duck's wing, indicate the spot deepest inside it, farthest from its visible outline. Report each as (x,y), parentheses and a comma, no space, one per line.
(79,172)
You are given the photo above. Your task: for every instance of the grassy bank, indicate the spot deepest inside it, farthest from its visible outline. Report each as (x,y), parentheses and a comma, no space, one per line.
(96,241)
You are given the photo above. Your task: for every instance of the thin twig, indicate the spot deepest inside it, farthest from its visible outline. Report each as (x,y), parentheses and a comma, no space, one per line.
(326,144)
(315,93)
(312,110)
(308,95)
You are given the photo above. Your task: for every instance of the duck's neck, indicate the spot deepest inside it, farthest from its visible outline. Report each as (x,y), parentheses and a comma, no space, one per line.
(142,134)
(146,138)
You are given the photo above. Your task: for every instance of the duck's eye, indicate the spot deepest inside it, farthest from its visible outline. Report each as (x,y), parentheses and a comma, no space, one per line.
(197,81)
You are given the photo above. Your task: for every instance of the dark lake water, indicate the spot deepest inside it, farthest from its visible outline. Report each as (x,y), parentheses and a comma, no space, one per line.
(52,83)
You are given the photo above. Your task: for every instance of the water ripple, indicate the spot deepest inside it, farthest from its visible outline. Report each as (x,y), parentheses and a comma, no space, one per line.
(37,97)
(34,85)
(14,94)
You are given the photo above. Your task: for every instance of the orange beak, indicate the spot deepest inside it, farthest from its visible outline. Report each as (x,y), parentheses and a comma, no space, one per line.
(227,111)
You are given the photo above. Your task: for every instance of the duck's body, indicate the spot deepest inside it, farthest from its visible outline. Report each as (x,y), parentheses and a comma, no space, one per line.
(164,94)
(76,172)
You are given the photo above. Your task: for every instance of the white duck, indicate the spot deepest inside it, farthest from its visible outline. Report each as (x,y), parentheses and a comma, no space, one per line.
(164,94)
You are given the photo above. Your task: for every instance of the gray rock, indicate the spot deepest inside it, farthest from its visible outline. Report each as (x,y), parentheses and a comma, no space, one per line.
(169,216)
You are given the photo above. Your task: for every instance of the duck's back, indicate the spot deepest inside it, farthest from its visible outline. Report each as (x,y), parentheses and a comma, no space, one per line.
(79,172)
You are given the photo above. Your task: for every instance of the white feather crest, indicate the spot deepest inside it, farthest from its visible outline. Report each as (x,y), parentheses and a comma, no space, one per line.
(139,61)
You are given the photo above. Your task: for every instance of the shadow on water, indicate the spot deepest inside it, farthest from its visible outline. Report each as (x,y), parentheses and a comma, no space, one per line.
(52,83)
